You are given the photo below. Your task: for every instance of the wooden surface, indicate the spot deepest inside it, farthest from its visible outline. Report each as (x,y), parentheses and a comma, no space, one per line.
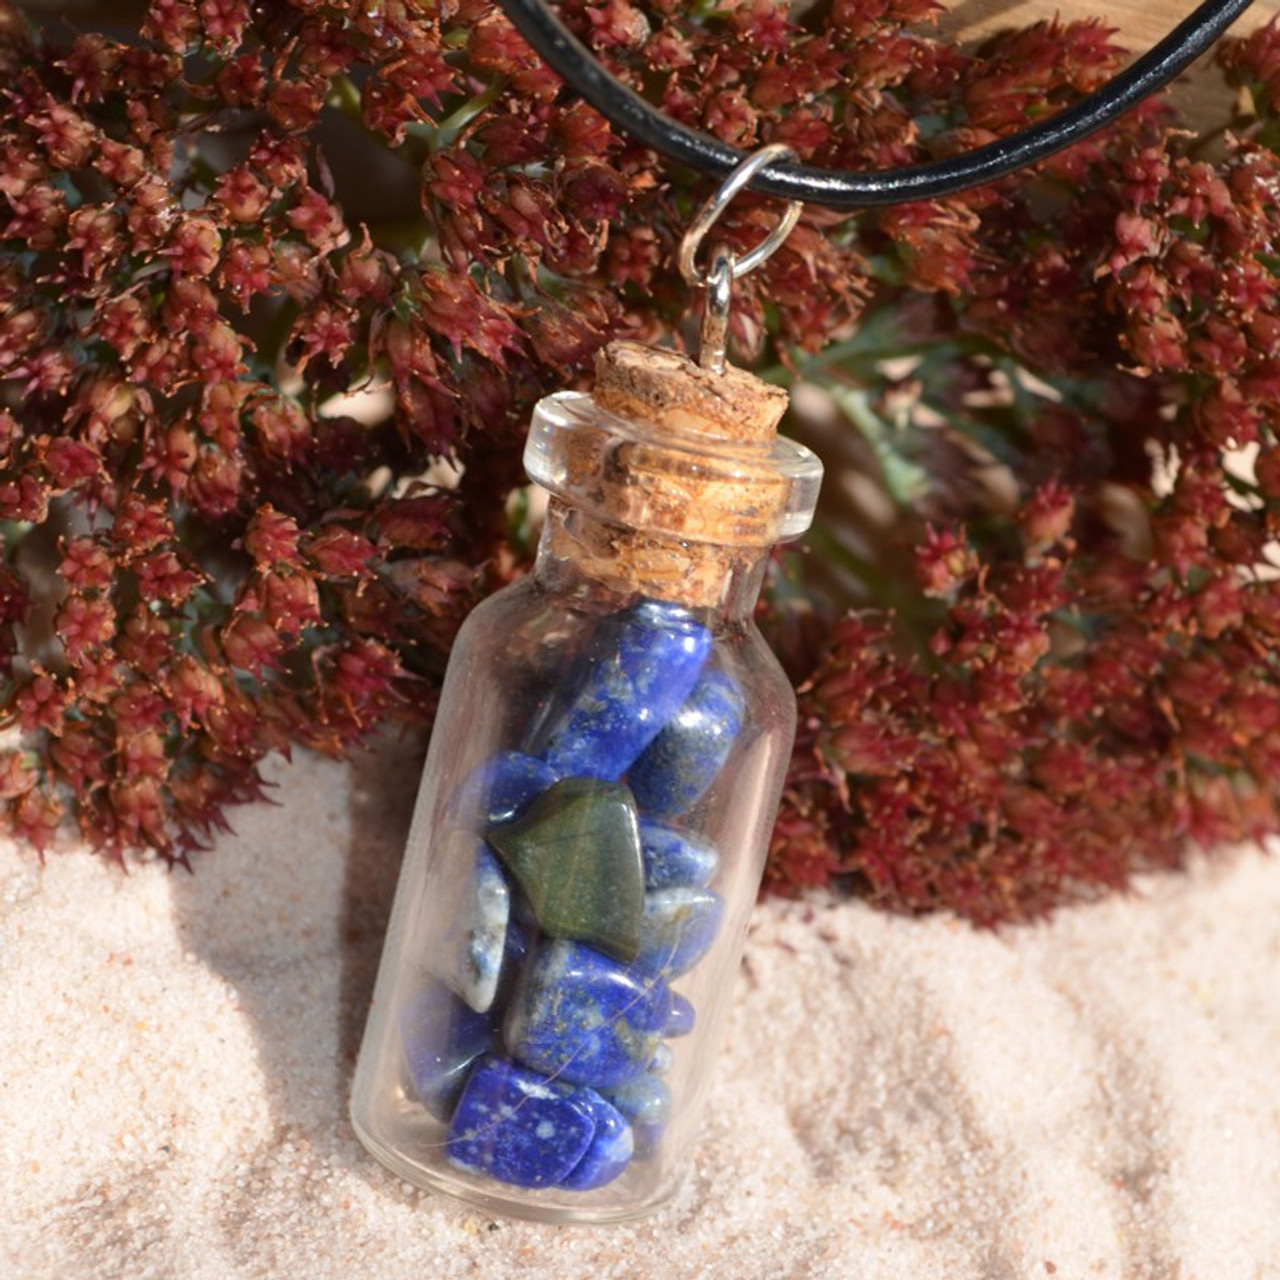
(1139,24)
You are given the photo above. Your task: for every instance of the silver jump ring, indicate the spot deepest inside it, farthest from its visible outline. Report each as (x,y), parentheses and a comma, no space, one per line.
(710,213)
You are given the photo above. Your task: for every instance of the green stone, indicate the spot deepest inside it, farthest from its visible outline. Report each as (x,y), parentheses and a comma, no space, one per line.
(576,854)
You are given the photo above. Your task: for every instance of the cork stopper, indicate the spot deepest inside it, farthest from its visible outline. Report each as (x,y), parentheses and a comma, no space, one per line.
(668,389)
(669,478)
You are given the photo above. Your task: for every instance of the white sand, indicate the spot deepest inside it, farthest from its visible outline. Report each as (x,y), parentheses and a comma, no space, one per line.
(901,1100)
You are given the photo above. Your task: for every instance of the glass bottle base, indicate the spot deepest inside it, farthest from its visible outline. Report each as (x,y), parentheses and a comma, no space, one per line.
(508,1206)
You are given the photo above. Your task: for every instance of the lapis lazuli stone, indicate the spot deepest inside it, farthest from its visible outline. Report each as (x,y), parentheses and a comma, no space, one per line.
(679,927)
(678,766)
(576,854)
(642,666)
(581,1017)
(682,1017)
(646,1100)
(662,1061)
(610,1151)
(516,948)
(646,1104)
(475,906)
(500,789)
(441,1038)
(513,1125)
(674,859)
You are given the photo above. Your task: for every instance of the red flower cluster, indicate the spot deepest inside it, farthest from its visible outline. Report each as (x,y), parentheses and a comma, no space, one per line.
(264,267)
(1085,683)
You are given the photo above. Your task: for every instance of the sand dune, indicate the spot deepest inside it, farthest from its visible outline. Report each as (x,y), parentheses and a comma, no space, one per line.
(1099,1097)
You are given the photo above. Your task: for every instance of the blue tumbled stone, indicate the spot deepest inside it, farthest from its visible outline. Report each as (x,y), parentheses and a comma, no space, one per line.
(581,1017)
(663,1060)
(516,1126)
(610,1151)
(679,927)
(441,1038)
(516,946)
(682,1017)
(642,666)
(646,1104)
(678,766)
(674,859)
(500,789)
(474,902)
(646,1100)
(514,951)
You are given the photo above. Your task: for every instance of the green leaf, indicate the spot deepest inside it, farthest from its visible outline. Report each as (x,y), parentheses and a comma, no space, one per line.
(891,442)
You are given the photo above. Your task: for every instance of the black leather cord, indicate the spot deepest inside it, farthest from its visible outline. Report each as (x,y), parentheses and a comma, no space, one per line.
(851,190)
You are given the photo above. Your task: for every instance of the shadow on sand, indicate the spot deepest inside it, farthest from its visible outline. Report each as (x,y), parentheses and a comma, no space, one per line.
(290,911)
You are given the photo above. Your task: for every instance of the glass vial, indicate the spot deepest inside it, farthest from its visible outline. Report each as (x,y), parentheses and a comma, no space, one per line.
(595,809)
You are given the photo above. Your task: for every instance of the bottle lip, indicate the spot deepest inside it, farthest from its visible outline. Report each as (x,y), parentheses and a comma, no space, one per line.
(569,425)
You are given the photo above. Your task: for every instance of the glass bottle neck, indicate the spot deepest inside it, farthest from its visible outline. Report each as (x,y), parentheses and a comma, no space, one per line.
(605,562)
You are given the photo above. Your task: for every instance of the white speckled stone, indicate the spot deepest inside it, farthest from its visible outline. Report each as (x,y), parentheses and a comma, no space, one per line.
(470,956)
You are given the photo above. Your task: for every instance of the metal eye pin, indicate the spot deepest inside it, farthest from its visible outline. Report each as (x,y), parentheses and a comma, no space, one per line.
(726,267)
